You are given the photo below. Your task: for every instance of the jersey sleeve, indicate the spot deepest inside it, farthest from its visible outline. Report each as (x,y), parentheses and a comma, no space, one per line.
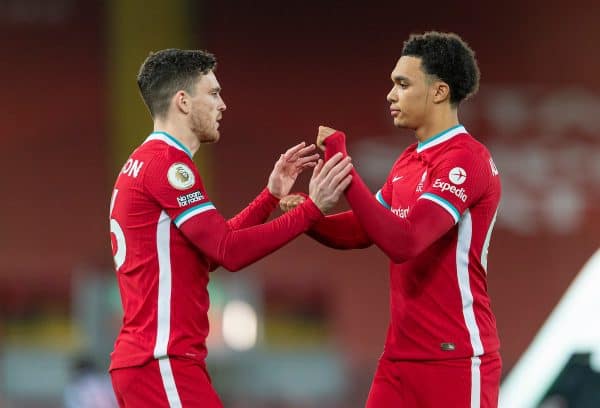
(174,182)
(257,212)
(169,180)
(340,231)
(399,238)
(457,182)
(384,194)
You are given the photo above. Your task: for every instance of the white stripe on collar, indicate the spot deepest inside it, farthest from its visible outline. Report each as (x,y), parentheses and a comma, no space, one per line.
(441,137)
(168,139)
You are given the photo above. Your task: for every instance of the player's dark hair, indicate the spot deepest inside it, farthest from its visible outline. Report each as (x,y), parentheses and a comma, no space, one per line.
(447,57)
(166,72)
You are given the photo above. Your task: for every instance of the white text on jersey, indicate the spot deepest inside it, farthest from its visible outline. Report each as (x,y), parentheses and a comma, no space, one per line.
(459,192)
(132,168)
(190,198)
(493,167)
(401,212)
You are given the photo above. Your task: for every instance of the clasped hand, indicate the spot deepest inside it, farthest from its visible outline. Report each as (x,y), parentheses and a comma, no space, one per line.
(328,181)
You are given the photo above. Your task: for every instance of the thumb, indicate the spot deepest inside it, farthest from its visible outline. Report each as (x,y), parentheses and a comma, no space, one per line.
(317,169)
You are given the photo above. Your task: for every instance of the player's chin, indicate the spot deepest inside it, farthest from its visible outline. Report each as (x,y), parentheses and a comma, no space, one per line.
(398,122)
(401,123)
(213,137)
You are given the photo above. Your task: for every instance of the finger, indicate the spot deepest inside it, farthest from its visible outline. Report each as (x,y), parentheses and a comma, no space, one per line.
(279,161)
(299,155)
(343,185)
(292,197)
(334,170)
(294,149)
(290,202)
(304,160)
(297,201)
(328,170)
(339,174)
(324,132)
(338,177)
(334,160)
(320,145)
(306,150)
(317,169)
(284,203)
(326,129)
(309,164)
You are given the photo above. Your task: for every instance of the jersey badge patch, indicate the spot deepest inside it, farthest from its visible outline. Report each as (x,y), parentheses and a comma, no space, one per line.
(181,176)
(457,175)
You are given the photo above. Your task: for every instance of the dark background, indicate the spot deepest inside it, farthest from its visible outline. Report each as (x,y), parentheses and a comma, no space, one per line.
(285,68)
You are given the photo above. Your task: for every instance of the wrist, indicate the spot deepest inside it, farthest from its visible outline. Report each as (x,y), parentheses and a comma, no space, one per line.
(334,144)
(322,208)
(271,195)
(313,209)
(274,194)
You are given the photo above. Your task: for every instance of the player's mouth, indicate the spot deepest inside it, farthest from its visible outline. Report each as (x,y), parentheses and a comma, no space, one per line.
(394,112)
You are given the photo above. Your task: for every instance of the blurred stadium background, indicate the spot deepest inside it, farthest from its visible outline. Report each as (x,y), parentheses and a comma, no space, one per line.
(304,327)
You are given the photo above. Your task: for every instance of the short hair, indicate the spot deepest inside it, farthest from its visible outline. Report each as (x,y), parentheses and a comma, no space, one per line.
(168,71)
(447,57)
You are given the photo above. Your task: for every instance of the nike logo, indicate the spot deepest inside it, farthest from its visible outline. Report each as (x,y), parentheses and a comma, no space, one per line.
(396,178)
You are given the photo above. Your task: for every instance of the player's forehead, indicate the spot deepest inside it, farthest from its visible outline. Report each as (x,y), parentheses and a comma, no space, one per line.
(208,82)
(407,67)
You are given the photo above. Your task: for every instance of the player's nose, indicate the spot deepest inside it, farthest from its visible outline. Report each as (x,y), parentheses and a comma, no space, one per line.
(391,96)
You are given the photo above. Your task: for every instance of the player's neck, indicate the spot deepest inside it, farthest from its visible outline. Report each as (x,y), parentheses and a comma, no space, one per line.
(181,133)
(444,120)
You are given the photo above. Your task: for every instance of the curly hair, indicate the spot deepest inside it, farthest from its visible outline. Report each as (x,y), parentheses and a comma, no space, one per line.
(168,71)
(447,57)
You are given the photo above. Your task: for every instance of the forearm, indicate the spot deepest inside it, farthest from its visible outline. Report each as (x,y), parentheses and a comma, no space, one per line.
(235,249)
(257,212)
(340,231)
(399,238)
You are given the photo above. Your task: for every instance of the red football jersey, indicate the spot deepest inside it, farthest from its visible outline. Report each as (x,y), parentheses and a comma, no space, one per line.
(440,308)
(167,236)
(162,277)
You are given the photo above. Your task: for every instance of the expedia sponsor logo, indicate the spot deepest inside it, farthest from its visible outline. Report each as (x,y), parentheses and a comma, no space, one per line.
(401,212)
(443,186)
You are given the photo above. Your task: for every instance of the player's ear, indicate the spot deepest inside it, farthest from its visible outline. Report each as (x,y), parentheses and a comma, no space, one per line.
(441,92)
(182,102)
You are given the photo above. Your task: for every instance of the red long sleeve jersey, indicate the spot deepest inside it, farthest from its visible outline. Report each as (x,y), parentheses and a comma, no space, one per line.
(166,236)
(439,304)
(440,308)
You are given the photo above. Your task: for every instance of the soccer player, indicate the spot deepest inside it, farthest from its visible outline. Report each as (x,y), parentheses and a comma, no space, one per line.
(167,235)
(433,217)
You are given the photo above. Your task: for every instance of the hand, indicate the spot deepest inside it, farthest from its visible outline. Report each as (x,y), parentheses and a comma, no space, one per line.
(287,168)
(291,201)
(329,181)
(324,133)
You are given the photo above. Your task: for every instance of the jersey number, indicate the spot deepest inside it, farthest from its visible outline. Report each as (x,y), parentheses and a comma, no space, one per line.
(115,228)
